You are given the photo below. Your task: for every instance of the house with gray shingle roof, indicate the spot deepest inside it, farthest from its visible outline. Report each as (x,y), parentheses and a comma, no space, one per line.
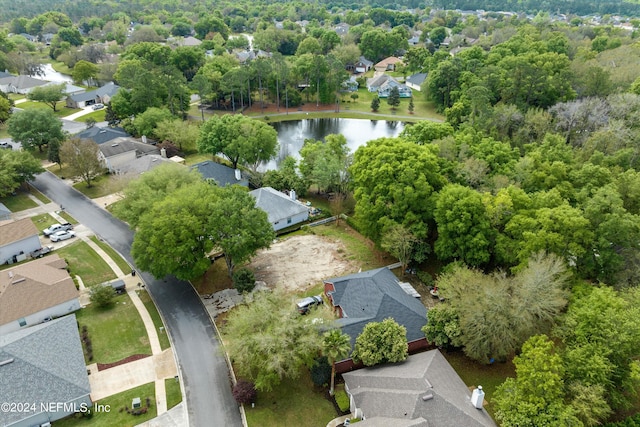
(416,80)
(100,135)
(282,211)
(34,291)
(422,391)
(119,151)
(220,174)
(43,364)
(102,95)
(372,296)
(20,84)
(17,239)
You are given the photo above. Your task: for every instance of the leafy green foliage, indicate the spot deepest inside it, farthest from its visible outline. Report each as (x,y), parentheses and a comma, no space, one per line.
(270,340)
(35,128)
(16,167)
(336,346)
(321,372)
(443,327)
(375,104)
(49,94)
(102,296)
(244,280)
(394,97)
(381,342)
(326,163)
(342,399)
(81,155)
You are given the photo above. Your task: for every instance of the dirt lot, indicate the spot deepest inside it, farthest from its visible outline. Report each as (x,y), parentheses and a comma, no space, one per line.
(298,262)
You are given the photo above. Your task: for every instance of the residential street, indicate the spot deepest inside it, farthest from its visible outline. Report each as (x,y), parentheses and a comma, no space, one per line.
(204,371)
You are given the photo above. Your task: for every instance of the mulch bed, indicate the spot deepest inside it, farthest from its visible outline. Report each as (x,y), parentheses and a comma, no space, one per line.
(103,366)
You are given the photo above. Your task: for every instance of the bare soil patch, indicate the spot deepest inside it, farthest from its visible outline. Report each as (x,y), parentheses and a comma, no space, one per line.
(298,262)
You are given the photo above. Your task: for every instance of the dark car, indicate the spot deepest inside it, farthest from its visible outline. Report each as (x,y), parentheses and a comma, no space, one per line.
(6,146)
(306,304)
(39,253)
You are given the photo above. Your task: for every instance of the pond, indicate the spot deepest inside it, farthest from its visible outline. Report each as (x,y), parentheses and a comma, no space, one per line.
(291,134)
(53,76)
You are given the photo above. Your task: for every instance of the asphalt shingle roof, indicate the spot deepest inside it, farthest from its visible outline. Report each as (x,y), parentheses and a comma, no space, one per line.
(221,174)
(395,392)
(372,296)
(16,231)
(100,135)
(277,205)
(47,366)
(108,89)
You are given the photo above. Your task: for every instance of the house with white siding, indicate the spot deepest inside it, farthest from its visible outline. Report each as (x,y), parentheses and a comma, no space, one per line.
(282,211)
(121,151)
(17,240)
(34,291)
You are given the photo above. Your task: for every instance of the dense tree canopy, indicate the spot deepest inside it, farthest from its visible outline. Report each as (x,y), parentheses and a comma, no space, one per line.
(35,128)
(16,167)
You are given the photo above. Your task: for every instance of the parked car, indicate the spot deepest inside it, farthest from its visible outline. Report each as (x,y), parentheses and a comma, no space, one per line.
(6,146)
(62,235)
(39,253)
(306,304)
(57,227)
(98,106)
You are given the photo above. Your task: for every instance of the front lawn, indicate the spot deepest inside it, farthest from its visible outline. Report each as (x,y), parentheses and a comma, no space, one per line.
(61,109)
(19,202)
(110,410)
(68,218)
(116,332)
(43,221)
(155,316)
(293,402)
(86,263)
(174,394)
(101,186)
(115,256)
(97,115)
(38,195)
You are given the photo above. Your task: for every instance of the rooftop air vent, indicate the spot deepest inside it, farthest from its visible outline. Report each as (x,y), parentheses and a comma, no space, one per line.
(427,396)
(115,145)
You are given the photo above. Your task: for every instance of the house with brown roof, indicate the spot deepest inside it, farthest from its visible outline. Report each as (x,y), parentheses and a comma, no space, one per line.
(35,291)
(17,239)
(422,391)
(387,64)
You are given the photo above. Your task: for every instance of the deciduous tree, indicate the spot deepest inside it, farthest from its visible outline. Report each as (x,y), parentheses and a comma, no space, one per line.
(81,156)
(381,342)
(16,167)
(35,128)
(49,94)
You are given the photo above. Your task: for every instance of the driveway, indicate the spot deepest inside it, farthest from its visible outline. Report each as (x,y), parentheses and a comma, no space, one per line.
(205,374)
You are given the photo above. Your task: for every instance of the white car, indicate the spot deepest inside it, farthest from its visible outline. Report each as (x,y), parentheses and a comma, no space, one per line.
(62,235)
(57,227)
(98,106)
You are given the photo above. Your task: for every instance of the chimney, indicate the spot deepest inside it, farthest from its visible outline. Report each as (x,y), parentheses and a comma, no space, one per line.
(163,152)
(477,397)
(293,195)
(238,175)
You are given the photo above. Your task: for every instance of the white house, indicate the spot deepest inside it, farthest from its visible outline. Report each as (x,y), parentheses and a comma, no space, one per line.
(102,95)
(17,239)
(283,211)
(415,81)
(34,291)
(20,84)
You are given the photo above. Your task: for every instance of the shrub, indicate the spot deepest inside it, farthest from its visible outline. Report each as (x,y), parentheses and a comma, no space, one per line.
(321,372)
(244,280)
(244,392)
(342,399)
(102,296)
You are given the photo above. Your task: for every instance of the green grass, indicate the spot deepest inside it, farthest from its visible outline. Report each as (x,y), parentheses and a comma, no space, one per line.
(115,256)
(116,416)
(19,202)
(38,195)
(293,402)
(474,374)
(68,217)
(86,263)
(61,109)
(101,186)
(115,332)
(98,116)
(61,67)
(157,320)
(174,394)
(43,221)
(4,133)
(359,249)
(192,159)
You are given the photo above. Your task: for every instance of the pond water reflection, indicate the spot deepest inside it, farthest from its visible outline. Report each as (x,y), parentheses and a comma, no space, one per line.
(291,134)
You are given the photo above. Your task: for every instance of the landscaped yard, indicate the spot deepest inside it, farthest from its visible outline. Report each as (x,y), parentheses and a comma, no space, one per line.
(67,217)
(116,415)
(61,109)
(43,221)
(292,403)
(155,316)
(101,186)
(174,394)
(38,195)
(86,263)
(98,116)
(19,202)
(116,332)
(115,256)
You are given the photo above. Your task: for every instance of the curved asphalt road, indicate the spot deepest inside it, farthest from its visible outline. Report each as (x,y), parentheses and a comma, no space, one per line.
(204,370)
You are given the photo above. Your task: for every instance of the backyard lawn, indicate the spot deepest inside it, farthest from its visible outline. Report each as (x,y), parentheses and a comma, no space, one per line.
(292,403)
(86,263)
(116,332)
(116,415)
